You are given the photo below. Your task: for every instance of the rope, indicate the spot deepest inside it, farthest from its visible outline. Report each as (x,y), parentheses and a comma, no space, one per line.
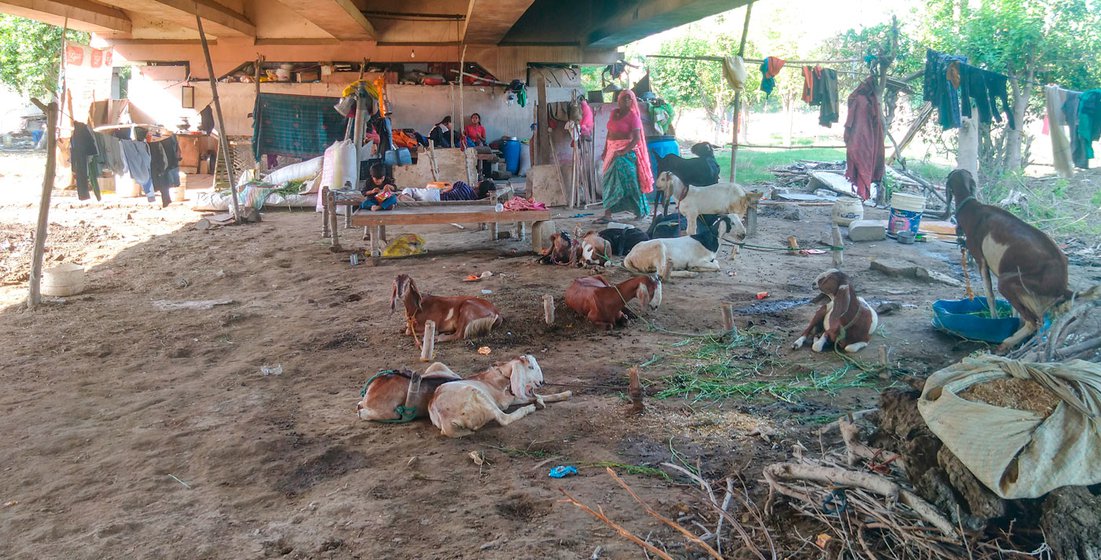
(777,249)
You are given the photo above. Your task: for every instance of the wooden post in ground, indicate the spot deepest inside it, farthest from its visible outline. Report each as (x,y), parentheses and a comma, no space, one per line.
(835,250)
(428,341)
(886,57)
(548,309)
(738,98)
(728,316)
(227,156)
(35,297)
(634,390)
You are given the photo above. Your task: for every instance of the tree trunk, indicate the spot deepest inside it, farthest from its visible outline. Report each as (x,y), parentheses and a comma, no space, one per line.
(1020,90)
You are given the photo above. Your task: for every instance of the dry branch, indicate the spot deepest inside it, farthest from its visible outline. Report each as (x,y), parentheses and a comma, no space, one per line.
(691,536)
(777,473)
(616,527)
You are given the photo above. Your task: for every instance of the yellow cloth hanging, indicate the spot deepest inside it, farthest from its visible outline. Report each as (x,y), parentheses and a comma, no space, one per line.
(371,88)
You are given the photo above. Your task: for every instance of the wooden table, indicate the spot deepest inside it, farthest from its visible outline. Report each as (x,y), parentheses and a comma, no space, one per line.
(458,214)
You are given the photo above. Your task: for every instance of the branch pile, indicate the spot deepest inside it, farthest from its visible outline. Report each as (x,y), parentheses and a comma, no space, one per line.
(1075,333)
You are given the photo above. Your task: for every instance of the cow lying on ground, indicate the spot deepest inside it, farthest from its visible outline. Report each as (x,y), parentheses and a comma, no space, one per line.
(844,319)
(1031,270)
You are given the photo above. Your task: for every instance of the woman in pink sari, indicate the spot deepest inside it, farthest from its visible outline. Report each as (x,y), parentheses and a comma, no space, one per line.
(627,175)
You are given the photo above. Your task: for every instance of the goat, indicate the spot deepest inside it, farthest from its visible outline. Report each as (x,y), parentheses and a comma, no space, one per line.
(696,252)
(692,202)
(1031,270)
(460,408)
(562,250)
(622,240)
(456,316)
(592,248)
(844,319)
(700,171)
(602,303)
(402,396)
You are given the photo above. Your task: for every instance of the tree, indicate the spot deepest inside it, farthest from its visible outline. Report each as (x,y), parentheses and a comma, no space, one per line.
(30,54)
(1027,40)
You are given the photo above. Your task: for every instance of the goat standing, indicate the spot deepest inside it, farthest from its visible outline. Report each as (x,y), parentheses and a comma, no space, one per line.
(700,171)
(1031,270)
(456,316)
(602,303)
(720,198)
(460,408)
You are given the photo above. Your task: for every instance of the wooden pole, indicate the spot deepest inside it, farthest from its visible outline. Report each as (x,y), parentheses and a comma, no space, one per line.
(35,298)
(462,105)
(227,156)
(728,316)
(548,309)
(256,78)
(886,57)
(428,341)
(835,250)
(738,99)
(634,390)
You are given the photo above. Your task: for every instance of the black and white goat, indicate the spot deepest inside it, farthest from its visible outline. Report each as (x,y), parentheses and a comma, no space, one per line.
(697,253)
(622,240)
(700,171)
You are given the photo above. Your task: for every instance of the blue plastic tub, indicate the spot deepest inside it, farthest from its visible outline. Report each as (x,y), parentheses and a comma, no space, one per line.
(961,318)
(660,146)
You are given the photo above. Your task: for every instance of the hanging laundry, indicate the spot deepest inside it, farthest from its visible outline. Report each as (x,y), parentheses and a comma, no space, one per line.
(82,149)
(941,84)
(1070,115)
(735,73)
(1088,130)
(864,162)
(137,158)
(1054,98)
(985,89)
(820,89)
(164,167)
(769,69)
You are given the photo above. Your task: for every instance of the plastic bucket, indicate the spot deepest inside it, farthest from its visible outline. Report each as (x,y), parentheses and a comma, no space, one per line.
(660,146)
(906,212)
(847,210)
(512,155)
(65,279)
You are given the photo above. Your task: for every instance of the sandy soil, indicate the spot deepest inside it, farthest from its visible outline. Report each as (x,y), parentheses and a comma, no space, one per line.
(138,433)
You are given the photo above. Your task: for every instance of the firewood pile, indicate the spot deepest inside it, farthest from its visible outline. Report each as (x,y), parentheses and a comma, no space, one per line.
(1075,332)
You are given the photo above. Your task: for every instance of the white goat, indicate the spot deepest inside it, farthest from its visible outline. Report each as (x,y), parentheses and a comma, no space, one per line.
(696,252)
(692,202)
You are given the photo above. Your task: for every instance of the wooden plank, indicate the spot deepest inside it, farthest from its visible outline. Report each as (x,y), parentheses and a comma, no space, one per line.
(445,215)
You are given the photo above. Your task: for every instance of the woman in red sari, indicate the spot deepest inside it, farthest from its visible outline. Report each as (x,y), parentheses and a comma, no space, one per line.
(627,176)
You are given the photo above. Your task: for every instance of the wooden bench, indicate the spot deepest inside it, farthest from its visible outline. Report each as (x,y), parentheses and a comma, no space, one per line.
(458,214)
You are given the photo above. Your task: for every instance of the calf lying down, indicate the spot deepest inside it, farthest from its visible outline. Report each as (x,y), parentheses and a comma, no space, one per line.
(458,406)
(845,319)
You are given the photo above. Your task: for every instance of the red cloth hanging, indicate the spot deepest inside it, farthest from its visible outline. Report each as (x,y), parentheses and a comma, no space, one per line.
(864,152)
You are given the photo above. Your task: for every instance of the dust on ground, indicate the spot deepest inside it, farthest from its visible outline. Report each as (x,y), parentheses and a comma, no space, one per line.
(135,432)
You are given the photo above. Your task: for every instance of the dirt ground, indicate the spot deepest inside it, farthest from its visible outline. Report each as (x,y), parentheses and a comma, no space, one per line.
(137,433)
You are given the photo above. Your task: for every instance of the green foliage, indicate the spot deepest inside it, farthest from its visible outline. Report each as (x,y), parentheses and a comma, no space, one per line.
(697,83)
(30,54)
(754,163)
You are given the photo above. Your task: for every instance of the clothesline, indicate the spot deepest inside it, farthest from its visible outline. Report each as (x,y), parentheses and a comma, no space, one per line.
(756,60)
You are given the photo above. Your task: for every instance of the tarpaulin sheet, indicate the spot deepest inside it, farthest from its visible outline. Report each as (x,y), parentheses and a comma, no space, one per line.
(295,125)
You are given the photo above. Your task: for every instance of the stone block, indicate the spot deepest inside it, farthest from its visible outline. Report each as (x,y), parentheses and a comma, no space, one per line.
(867,230)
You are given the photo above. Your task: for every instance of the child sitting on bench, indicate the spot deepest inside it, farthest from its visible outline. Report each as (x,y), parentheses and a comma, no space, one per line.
(380,190)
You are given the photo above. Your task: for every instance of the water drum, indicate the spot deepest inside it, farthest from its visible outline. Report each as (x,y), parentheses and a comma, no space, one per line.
(512,149)
(847,210)
(65,279)
(906,212)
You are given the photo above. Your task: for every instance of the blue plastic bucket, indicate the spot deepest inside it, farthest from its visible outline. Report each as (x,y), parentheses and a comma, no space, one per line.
(906,210)
(512,155)
(660,146)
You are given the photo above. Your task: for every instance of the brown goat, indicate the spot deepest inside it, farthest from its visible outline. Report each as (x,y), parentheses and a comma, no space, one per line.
(455,317)
(402,396)
(592,249)
(602,303)
(1031,270)
(844,318)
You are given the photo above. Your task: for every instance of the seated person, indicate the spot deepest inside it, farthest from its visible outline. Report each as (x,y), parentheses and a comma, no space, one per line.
(486,189)
(380,191)
(442,135)
(475,133)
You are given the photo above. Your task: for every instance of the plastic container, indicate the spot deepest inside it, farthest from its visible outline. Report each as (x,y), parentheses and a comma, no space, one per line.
(525,160)
(661,146)
(906,210)
(512,155)
(847,210)
(65,279)
(961,318)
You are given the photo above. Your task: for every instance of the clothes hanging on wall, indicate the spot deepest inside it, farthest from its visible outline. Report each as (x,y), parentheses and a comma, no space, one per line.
(864,152)
(1088,129)
(941,82)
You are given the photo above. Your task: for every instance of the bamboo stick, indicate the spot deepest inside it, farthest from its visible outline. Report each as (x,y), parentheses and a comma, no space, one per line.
(428,341)
(222,135)
(35,297)
(548,309)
